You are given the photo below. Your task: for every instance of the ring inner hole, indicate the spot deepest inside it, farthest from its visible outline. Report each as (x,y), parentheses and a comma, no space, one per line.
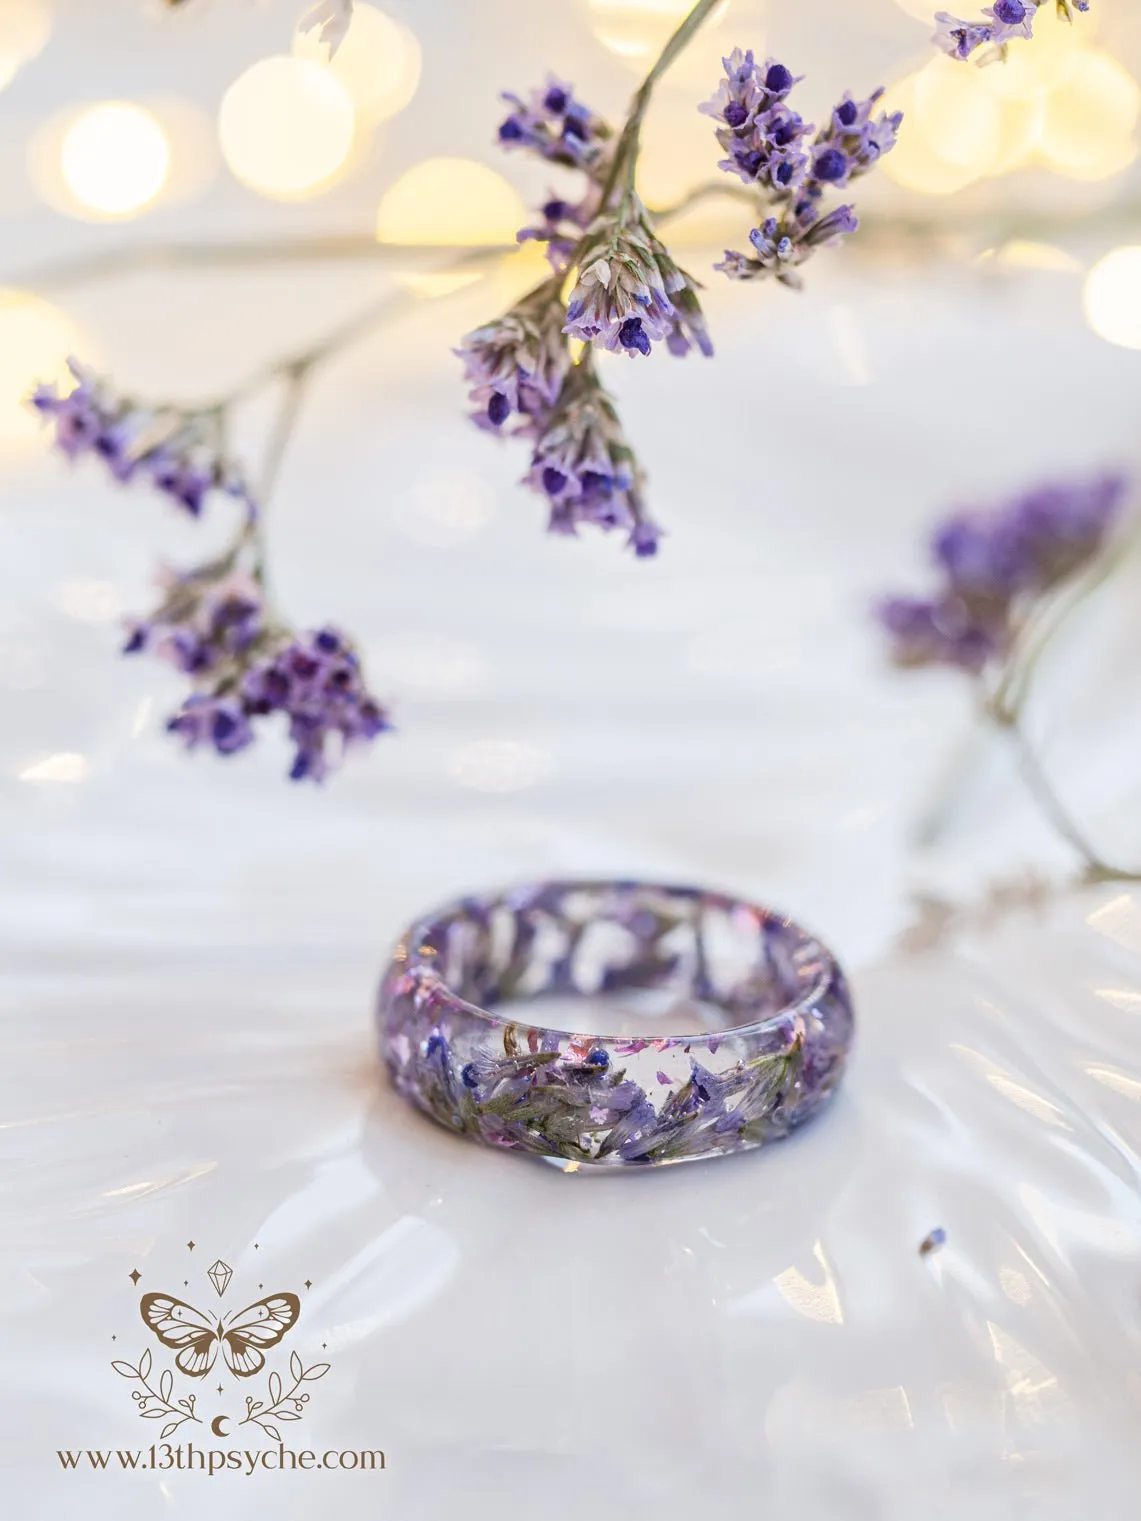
(627,960)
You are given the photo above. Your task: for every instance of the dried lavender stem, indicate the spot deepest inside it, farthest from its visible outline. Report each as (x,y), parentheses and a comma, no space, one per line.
(625,160)
(1051,806)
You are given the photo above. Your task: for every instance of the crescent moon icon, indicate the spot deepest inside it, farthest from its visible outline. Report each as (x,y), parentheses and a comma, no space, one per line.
(216,1426)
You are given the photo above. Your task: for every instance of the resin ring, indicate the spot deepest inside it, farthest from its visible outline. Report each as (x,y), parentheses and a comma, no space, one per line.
(761,1010)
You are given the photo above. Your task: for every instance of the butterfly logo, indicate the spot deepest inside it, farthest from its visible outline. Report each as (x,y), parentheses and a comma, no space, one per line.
(241,1335)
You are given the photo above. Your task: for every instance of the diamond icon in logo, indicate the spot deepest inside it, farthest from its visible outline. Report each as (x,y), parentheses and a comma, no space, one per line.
(219,1274)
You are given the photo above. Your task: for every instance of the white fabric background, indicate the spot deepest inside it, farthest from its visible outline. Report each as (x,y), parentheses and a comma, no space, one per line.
(188,949)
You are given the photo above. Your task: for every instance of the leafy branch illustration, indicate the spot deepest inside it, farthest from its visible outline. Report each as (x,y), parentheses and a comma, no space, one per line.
(154,1404)
(282,1406)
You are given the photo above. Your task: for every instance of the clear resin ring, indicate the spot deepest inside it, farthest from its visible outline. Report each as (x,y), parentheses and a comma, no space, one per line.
(738,1022)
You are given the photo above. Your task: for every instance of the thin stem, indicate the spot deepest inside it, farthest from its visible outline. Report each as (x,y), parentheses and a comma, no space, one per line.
(284,425)
(1014,686)
(708,191)
(625,160)
(73,273)
(1051,806)
(355,328)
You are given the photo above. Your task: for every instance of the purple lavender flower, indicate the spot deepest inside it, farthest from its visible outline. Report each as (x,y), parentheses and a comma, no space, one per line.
(960,39)
(553,124)
(767,146)
(584,467)
(630,294)
(214,626)
(562,226)
(995,565)
(177,453)
(1005,20)
(780,245)
(204,621)
(315,679)
(220,723)
(762,137)
(852,143)
(517,363)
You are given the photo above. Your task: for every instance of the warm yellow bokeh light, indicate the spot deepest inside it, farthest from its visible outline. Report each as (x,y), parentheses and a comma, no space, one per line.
(914,163)
(114,158)
(25,26)
(1091,118)
(286,127)
(35,341)
(637,30)
(378,63)
(1023,253)
(1112,297)
(450,201)
(1044,61)
(1020,127)
(957,114)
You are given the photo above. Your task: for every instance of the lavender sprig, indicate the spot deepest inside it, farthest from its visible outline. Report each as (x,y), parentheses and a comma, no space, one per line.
(215,626)
(771,148)
(214,623)
(1004,576)
(1001,23)
(630,294)
(556,126)
(176,451)
(584,466)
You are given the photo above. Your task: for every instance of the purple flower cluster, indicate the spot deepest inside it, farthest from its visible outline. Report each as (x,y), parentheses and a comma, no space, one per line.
(630,294)
(583,465)
(175,452)
(562,225)
(213,625)
(556,126)
(1002,22)
(770,147)
(994,566)
(315,679)
(516,364)
(763,138)
(780,245)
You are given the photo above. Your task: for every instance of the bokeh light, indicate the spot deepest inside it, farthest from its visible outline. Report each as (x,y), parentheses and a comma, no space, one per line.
(1091,117)
(114,158)
(66,766)
(452,202)
(286,127)
(35,341)
(446,507)
(25,26)
(957,114)
(378,63)
(636,29)
(1112,297)
(914,162)
(499,765)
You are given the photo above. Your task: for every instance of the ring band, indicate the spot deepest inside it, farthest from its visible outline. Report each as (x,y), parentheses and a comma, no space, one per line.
(777,1000)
